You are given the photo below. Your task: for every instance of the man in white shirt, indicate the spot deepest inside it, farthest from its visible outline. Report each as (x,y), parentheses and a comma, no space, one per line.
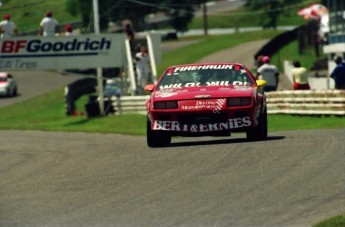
(49,26)
(270,73)
(142,60)
(8,27)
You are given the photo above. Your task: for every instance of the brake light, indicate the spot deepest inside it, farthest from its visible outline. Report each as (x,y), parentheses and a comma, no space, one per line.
(165,105)
(239,101)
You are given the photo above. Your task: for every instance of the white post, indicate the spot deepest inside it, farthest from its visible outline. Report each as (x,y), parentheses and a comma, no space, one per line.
(99,70)
(152,58)
(130,67)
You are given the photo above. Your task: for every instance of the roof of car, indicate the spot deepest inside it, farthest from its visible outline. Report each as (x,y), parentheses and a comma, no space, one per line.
(209,63)
(3,74)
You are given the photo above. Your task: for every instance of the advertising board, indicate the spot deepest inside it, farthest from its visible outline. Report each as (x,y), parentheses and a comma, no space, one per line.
(62,52)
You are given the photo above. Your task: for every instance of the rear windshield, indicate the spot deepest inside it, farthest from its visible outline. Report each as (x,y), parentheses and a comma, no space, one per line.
(3,78)
(204,75)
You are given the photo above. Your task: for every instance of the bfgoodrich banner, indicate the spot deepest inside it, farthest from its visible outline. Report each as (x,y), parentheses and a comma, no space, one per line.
(84,51)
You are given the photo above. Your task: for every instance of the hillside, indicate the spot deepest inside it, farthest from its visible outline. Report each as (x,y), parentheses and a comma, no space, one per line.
(28,14)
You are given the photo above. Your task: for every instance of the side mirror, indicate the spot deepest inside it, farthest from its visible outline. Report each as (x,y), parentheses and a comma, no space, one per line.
(149,87)
(261,83)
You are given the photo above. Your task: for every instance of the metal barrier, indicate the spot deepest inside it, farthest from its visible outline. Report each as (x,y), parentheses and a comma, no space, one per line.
(310,102)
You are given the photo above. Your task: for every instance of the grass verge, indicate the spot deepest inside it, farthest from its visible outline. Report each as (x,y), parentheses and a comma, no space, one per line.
(338,221)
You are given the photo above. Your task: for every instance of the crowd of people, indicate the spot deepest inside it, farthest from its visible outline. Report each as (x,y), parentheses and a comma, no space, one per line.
(270,73)
(49,26)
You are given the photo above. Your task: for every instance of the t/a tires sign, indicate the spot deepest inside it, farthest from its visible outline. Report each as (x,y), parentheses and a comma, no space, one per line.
(84,51)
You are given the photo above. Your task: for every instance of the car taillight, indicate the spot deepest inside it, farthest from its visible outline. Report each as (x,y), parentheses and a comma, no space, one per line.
(239,101)
(166,105)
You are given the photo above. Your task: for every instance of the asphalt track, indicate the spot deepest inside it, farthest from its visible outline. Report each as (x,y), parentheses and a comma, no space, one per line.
(80,179)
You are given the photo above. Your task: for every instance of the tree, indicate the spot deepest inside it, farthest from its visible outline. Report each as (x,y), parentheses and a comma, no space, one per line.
(133,10)
(272,9)
(180,11)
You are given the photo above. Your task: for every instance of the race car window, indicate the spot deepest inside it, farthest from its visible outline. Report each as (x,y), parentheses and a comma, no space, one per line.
(205,75)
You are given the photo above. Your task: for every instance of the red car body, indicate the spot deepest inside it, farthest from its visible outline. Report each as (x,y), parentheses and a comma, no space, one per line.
(205,100)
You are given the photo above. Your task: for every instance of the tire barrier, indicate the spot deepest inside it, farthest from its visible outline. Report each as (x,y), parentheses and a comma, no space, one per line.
(311,102)
(278,42)
(75,90)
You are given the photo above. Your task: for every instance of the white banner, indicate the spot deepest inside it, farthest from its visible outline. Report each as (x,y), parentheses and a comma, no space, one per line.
(62,52)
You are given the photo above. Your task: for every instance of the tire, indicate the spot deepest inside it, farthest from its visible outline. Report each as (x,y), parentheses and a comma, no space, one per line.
(8,92)
(156,138)
(259,132)
(15,92)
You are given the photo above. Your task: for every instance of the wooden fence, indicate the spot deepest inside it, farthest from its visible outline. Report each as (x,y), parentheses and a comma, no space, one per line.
(311,102)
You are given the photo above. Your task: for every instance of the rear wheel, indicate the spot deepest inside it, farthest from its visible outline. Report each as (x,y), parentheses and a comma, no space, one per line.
(156,138)
(259,132)
(15,92)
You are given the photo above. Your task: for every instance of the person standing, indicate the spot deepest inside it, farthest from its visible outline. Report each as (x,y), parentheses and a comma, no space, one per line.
(338,73)
(68,30)
(268,72)
(142,60)
(49,26)
(299,77)
(8,27)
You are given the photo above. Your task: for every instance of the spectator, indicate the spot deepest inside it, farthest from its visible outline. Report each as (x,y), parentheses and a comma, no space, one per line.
(129,31)
(142,60)
(268,72)
(338,73)
(258,61)
(299,77)
(130,35)
(68,30)
(49,26)
(8,27)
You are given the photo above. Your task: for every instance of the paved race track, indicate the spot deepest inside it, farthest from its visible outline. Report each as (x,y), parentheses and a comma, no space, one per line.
(35,83)
(79,179)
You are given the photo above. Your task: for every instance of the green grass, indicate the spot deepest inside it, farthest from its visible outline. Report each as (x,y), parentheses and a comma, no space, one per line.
(290,53)
(338,221)
(209,45)
(244,18)
(28,14)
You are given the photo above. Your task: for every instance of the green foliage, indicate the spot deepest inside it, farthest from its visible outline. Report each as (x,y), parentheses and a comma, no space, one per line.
(28,14)
(271,10)
(338,221)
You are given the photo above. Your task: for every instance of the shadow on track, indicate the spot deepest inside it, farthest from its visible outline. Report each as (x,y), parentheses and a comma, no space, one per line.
(223,141)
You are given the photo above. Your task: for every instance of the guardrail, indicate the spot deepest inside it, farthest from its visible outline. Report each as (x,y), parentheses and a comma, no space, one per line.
(309,102)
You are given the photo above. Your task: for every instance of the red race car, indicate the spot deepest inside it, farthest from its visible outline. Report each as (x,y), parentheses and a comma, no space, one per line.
(213,99)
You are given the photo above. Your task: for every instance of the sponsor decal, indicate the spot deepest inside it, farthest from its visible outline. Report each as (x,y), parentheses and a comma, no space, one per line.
(202,96)
(24,53)
(207,84)
(39,48)
(202,67)
(175,126)
(215,105)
